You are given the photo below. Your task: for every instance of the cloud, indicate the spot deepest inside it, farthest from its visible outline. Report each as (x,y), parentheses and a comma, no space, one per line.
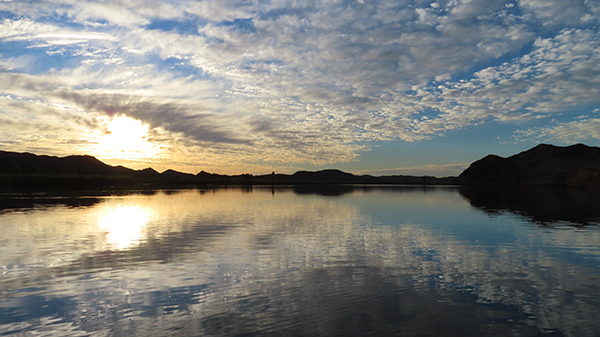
(429,170)
(291,82)
(190,121)
(562,12)
(28,30)
(224,137)
(566,133)
(7,65)
(559,73)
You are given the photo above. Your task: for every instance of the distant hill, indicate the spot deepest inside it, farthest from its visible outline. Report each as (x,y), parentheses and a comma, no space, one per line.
(330,176)
(26,170)
(172,174)
(543,165)
(323,177)
(31,164)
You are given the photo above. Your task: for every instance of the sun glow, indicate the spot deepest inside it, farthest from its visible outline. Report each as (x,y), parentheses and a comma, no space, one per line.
(124,226)
(126,138)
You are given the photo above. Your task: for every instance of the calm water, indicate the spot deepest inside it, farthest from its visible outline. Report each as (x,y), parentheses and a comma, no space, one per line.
(345,261)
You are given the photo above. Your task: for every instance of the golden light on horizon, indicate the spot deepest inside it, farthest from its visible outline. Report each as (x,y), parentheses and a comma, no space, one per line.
(125,138)
(124,226)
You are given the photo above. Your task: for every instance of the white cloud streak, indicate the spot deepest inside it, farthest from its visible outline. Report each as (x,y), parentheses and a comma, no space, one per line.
(429,170)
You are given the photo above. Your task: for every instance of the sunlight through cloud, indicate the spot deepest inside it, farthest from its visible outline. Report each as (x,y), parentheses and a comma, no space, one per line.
(126,138)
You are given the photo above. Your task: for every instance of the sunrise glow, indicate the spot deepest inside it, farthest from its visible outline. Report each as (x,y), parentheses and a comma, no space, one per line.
(126,138)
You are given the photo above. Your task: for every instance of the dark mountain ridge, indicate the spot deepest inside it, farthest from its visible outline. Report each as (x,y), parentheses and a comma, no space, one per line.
(544,165)
(30,164)
(27,170)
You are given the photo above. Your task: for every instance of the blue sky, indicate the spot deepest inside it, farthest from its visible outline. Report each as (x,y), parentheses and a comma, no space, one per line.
(380,87)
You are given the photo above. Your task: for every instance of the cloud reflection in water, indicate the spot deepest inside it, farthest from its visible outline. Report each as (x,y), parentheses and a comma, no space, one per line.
(373,262)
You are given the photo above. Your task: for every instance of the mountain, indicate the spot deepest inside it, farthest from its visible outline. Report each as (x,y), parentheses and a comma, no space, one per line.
(172,174)
(26,170)
(324,176)
(148,173)
(27,163)
(543,165)
(29,171)
(31,164)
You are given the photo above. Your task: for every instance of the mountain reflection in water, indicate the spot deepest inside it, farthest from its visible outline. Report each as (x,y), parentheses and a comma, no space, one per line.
(355,260)
(546,206)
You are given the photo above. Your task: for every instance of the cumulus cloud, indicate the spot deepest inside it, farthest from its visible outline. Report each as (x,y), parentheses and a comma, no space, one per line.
(561,12)
(315,82)
(225,137)
(567,133)
(559,73)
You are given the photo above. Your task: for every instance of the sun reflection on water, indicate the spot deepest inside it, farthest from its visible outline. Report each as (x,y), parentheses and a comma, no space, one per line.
(124,226)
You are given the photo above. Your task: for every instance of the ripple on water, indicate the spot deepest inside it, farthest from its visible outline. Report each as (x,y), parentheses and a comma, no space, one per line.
(408,262)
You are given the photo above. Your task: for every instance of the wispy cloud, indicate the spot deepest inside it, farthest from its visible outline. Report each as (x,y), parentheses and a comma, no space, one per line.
(287,82)
(31,31)
(429,170)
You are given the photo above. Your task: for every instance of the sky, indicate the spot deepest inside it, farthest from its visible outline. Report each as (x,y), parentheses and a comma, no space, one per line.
(255,86)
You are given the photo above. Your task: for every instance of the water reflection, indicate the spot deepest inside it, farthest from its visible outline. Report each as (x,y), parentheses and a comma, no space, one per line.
(544,206)
(8,203)
(124,225)
(227,262)
(339,190)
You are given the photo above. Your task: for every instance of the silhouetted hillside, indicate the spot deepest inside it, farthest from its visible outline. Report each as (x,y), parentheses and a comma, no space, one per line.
(31,164)
(26,170)
(328,176)
(172,174)
(27,163)
(543,165)
(148,173)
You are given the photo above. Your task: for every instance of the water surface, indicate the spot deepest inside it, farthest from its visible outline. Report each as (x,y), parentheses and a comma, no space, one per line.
(312,261)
